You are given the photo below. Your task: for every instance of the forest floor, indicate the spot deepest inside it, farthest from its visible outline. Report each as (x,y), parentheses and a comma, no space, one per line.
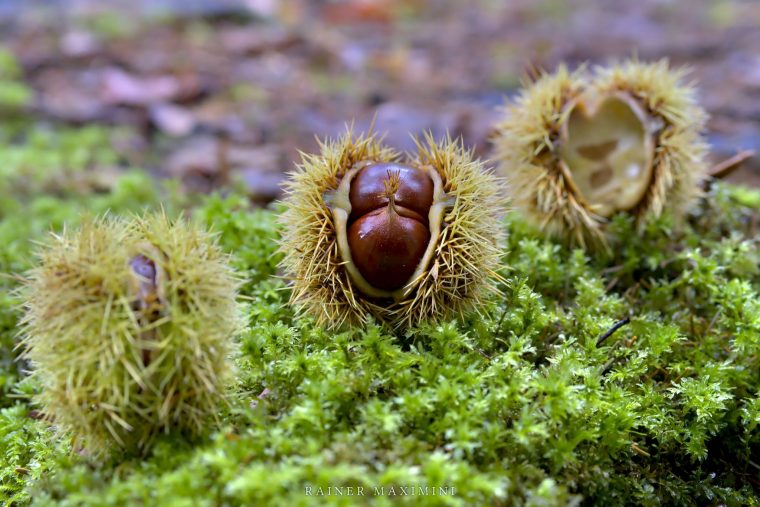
(210,92)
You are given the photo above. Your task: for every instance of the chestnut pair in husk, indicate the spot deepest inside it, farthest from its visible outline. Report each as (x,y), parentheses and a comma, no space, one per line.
(370,234)
(384,233)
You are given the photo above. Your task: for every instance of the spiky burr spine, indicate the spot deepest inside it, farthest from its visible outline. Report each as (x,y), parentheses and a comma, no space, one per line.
(460,272)
(128,327)
(528,141)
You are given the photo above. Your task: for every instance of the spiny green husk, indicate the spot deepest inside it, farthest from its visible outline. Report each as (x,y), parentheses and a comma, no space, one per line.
(526,143)
(460,276)
(109,376)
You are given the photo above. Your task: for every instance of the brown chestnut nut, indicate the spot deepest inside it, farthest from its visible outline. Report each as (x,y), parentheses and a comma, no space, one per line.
(389,233)
(388,218)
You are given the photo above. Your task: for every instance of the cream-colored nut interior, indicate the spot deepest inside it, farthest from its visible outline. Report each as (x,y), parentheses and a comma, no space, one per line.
(340,205)
(607,147)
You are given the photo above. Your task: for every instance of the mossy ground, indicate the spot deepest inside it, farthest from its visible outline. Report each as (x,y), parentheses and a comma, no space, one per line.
(521,405)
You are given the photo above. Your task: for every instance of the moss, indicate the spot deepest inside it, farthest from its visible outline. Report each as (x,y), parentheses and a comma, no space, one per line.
(524,405)
(14,94)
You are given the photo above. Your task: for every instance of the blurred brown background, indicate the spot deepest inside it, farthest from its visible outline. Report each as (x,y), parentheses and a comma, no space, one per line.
(212,91)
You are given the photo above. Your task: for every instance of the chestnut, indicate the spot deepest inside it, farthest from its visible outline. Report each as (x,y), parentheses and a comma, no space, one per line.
(388,232)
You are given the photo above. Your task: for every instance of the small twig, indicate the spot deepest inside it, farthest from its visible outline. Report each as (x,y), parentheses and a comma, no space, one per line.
(654,373)
(607,366)
(501,320)
(611,330)
(639,450)
(612,269)
(631,289)
(712,323)
(725,168)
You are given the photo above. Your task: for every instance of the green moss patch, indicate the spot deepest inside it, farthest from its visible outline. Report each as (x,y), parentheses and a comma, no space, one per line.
(525,404)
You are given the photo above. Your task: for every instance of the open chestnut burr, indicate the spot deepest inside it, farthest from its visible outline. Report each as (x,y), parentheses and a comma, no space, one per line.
(580,147)
(401,241)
